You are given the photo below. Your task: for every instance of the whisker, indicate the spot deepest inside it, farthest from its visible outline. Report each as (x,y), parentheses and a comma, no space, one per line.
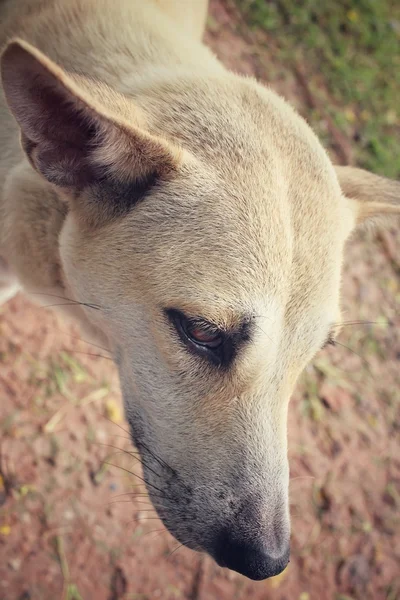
(174,550)
(141,510)
(75,337)
(165,465)
(138,498)
(114,453)
(155,505)
(138,476)
(132,454)
(120,436)
(158,459)
(62,304)
(349,323)
(266,334)
(133,502)
(156,496)
(161,506)
(117,425)
(94,345)
(354,352)
(135,495)
(89,353)
(139,520)
(120,502)
(124,494)
(69,300)
(163,530)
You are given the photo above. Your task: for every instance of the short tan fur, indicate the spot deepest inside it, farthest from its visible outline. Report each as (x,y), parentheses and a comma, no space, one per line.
(175,201)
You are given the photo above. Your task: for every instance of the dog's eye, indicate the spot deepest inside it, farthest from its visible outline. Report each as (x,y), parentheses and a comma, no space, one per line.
(203,335)
(200,336)
(197,331)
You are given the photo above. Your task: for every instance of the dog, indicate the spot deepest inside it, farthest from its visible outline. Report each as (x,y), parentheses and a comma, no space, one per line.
(193,223)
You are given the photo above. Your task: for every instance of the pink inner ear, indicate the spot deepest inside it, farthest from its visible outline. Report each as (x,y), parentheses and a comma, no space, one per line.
(61,136)
(58,130)
(59,117)
(68,141)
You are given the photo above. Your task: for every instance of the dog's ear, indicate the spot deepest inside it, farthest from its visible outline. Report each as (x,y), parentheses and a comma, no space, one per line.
(70,137)
(371,196)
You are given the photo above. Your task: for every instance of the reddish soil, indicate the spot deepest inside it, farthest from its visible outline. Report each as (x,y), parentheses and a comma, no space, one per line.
(67,533)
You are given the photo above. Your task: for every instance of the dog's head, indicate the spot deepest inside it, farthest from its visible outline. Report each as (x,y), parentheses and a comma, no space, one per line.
(207,223)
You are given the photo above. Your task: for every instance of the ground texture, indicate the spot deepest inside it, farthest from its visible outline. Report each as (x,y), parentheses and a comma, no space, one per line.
(66,532)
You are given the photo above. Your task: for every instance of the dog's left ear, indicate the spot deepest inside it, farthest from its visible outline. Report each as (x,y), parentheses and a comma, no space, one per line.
(82,137)
(371,196)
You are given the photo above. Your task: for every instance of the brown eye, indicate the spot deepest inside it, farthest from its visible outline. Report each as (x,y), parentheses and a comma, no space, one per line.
(203,335)
(205,339)
(200,335)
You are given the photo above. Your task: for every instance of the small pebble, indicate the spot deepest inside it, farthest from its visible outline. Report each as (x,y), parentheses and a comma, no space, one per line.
(15,564)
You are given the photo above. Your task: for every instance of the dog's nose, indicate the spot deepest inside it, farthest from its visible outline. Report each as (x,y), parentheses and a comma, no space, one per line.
(250,558)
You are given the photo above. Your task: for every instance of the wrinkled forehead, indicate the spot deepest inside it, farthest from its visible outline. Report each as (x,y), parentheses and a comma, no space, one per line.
(255,236)
(210,235)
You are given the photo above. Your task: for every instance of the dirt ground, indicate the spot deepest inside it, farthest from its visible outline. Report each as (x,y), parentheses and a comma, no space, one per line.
(69,525)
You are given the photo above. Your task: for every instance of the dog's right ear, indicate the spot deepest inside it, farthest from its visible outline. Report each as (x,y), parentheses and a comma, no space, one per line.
(71,138)
(372,197)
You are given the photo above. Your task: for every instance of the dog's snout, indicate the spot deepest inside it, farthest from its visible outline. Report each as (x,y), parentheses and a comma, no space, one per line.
(251,558)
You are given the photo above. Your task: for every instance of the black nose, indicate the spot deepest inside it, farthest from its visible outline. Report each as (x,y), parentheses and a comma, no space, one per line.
(250,558)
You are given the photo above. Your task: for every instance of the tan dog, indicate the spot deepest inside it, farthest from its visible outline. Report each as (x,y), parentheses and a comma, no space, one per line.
(197,227)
